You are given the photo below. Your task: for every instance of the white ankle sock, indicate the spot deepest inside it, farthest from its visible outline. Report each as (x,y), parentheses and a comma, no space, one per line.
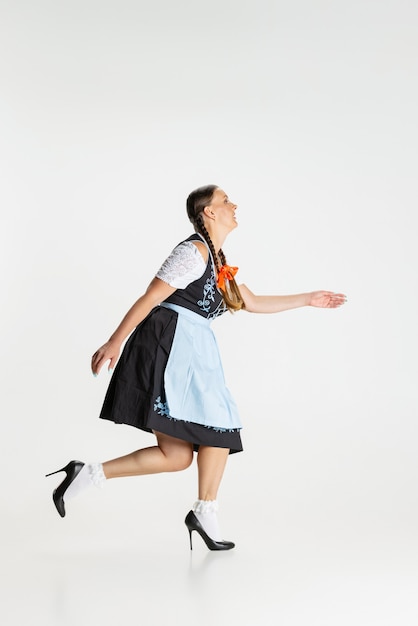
(205,511)
(90,474)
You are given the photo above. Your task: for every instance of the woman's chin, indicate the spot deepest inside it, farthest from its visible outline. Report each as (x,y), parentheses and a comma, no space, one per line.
(233,227)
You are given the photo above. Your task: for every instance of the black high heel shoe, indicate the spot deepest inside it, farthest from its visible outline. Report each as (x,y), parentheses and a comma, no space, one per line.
(193,523)
(72,469)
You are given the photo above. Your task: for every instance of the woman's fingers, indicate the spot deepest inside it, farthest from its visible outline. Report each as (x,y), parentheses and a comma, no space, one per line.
(108,352)
(97,361)
(328,299)
(94,365)
(112,363)
(338,299)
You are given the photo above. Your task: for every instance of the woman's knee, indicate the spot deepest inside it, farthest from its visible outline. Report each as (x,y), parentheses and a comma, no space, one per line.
(179,460)
(178,453)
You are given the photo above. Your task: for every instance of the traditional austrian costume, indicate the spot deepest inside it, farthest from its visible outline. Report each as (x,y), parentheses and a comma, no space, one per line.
(169,377)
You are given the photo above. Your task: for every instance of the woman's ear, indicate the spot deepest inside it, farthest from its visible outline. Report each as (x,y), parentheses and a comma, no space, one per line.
(208,211)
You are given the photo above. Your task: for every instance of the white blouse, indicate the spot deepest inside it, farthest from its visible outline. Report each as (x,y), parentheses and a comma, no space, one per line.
(184,265)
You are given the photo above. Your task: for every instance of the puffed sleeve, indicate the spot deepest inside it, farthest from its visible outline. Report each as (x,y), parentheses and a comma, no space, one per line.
(184,265)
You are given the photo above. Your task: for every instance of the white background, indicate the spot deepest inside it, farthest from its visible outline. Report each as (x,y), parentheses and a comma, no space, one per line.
(305,113)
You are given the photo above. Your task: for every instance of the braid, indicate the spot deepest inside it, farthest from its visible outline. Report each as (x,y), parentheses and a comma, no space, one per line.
(232,296)
(202,229)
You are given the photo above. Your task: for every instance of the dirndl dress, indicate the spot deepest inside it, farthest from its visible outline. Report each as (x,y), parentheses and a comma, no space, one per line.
(169,377)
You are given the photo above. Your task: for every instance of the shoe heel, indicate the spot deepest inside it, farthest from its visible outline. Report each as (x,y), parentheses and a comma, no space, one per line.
(190,537)
(56,472)
(63,469)
(68,468)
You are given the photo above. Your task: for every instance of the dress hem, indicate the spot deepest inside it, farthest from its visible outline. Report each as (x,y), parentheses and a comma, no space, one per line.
(196,434)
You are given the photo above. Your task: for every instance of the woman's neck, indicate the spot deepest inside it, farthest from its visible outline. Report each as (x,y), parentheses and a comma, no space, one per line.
(217,238)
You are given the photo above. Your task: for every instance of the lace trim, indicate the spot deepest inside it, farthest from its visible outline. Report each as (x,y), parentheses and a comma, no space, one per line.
(183,266)
(205,506)
(96,474)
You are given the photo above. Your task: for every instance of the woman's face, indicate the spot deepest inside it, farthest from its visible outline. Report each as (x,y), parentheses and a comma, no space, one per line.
(223,210)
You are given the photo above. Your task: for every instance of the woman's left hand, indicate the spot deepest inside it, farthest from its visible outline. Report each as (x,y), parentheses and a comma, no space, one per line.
(326,299)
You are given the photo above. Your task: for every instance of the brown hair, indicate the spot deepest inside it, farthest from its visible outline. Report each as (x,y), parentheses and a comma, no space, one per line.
(196,202)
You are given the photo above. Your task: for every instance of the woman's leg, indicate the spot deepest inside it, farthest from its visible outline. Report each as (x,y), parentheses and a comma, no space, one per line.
(170,455)
(211,464)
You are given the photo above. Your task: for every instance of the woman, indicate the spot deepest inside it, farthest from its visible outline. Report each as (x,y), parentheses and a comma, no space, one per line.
(169,379)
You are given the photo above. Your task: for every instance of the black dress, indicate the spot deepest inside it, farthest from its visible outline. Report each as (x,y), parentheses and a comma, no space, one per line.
(169,377)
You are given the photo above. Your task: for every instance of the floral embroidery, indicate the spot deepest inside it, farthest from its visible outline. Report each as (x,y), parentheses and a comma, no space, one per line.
(221,308)
(161,407)
(209,298)
(218,429)
(208,293)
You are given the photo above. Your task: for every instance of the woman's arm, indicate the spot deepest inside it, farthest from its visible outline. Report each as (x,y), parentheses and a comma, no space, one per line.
(156,292)
(276,304)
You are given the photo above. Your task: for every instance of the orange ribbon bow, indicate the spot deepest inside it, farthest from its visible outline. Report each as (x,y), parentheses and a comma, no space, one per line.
(226,272)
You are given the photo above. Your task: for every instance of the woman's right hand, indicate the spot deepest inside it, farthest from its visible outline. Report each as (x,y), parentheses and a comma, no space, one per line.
(108,352)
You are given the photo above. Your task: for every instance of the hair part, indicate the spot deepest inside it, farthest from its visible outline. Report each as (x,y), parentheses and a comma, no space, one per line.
(196,202)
